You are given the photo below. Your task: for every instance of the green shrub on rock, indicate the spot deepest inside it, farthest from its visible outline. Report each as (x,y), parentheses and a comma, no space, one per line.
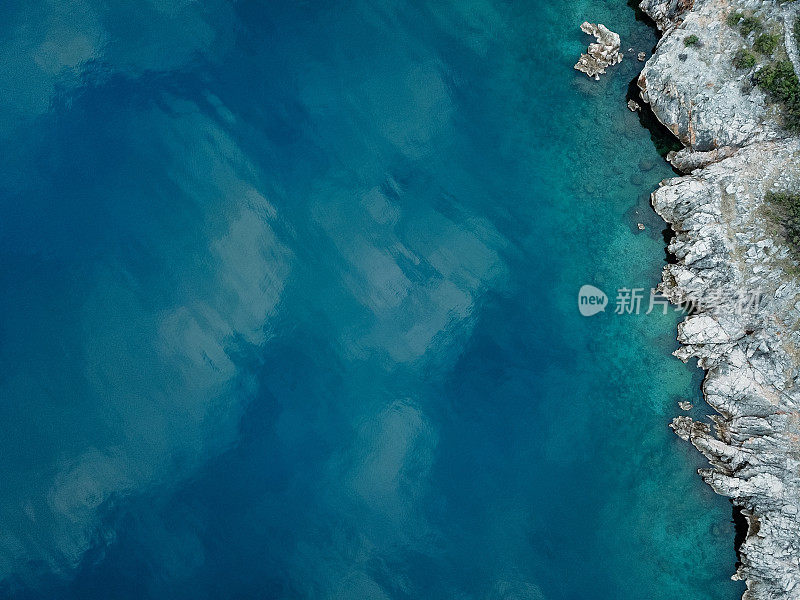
(734,18)
(690,40)
(796,30)
(744,59)
(785,208)
(766,43)
(780,82)
(749,25)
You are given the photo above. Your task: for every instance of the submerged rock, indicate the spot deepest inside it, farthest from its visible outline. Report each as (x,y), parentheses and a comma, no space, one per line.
(646,164)
(601,54)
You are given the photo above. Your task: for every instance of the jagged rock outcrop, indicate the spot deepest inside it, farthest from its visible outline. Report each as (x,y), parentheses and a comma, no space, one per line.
(687,160)
(745,334)
(666,13)
(729,253)
(602,53)
(696,90)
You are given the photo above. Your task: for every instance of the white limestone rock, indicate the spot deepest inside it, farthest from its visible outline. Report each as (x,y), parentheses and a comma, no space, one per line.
(601,54)
(697,92)
(725,247)
(666,13)
(752,359)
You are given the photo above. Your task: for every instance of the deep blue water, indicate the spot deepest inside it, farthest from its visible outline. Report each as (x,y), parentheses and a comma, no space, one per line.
(289,309)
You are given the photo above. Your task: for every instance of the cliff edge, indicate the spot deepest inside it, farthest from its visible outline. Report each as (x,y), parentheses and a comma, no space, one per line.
(734,265)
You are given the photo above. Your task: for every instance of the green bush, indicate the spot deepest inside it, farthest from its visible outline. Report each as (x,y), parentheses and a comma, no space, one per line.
(780,82)
(749,25)
(744,59)
(734,18)
(796,28)
(690,40)
(766,43)
(785,208)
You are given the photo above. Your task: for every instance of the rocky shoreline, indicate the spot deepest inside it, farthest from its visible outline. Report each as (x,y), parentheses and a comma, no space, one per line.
(727,247)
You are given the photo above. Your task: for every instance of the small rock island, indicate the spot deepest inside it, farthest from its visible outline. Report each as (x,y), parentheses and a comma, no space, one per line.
(602,53)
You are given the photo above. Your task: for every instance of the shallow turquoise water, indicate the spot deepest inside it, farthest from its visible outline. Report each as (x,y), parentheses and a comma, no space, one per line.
(290,310)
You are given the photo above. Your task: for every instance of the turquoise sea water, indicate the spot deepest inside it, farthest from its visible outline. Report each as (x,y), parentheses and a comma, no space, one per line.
(289,306)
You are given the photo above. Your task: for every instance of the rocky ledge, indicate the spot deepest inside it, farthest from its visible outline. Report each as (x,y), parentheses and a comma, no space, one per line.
(734,266)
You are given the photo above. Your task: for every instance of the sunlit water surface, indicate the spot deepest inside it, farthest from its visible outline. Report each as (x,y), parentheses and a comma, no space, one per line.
(289,309)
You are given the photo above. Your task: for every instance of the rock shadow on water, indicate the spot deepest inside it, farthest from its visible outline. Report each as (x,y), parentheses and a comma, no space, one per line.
(662,138)
(641,219)
(667,234)
(741,527)
(641,16)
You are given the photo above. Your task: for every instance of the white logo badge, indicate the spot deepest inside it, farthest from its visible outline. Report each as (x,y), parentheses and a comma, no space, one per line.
(591,300)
